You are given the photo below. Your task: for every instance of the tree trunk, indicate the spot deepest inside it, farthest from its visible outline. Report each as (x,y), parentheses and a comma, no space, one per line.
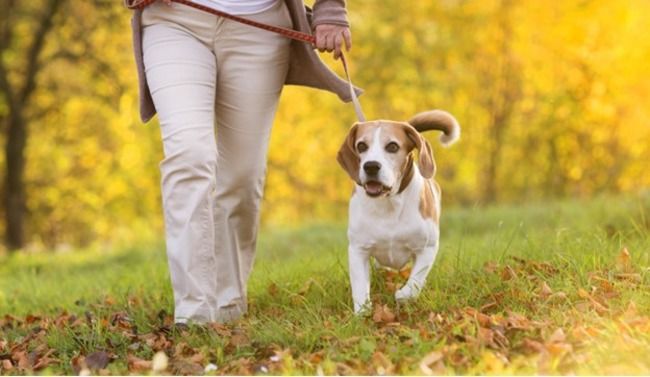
(17,98)
(14,187)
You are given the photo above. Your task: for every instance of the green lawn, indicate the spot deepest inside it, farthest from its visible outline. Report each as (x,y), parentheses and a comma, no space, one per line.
(521,289)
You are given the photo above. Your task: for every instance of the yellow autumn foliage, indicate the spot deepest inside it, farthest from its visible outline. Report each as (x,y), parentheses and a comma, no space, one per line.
(552,98)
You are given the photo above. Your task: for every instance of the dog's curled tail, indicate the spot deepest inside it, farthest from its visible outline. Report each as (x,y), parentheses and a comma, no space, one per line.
(437,120)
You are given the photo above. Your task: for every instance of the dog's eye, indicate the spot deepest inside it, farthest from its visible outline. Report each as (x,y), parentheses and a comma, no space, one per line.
(362,147)
(392,147)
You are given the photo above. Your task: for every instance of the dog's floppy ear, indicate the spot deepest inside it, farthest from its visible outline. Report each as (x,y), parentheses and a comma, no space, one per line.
(426,163)
(348,157)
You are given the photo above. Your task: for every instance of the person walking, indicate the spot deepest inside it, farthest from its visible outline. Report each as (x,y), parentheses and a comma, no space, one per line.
(215,85)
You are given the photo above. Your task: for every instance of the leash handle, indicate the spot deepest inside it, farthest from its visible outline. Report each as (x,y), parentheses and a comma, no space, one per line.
(355,100)
(289,33)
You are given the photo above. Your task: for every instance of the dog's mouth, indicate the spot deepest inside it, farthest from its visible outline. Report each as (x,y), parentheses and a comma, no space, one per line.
(375,189)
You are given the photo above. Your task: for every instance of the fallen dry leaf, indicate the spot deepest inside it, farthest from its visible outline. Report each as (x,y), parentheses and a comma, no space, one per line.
(78,363)
(533,346)
(558,349)
(44,360)
(137,364)
(557,336)
(98,360)
(7,365)
(507,273)
(483,319)
(432,363)
(490,267)
(630,277)
(623,260)
(382,364)
(239,339)
(272,289)
(545,290)
(405,272)
(21,359)
(383,314)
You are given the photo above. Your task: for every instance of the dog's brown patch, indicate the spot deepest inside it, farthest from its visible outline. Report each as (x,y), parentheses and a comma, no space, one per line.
(427,200)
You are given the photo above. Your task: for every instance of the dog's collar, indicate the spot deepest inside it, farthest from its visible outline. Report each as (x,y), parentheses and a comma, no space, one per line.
(407,176)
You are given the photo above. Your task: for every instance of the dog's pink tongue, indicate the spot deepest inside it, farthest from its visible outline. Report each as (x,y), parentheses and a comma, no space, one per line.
(374,188)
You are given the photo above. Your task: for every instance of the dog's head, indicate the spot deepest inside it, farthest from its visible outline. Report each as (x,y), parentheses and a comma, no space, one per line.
(377,154)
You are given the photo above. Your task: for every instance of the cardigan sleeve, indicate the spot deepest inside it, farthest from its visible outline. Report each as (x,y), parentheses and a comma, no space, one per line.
(330,12)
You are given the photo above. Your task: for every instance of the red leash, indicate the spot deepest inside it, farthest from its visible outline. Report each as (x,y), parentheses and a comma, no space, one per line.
(289,33)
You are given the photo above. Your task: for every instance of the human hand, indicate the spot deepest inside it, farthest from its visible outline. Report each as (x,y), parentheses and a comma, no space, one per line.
(331,37)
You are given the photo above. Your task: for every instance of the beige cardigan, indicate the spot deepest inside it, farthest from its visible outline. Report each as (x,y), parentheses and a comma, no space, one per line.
(305,67)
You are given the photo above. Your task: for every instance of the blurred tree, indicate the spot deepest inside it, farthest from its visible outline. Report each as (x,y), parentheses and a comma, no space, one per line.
(17,84)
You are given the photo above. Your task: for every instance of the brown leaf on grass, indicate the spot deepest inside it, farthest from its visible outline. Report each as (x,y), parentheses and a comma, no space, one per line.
(239,339)
(98,360)
(490,267)
(600,307)
(623,260)
(44,360)
(581,333)
(405,272)
(382,314)
(121,320)
(166,319)
(156,341)
(29,319)
(243,367)
(186,368)
(486,337)
(136,364)
(533,346)
(20,357)
(558,349)
(488,306)
(306,287)
(517,321)
(630,277)
(109,300)
(7,365)
(220,329)
(182,350)
(544,290)
(343,369)
(382,364)
(272,289)
(78,363)
(604,284)
(557,336)
(314,358)
(483,319)
(507,273)
(432,363)
(583,293)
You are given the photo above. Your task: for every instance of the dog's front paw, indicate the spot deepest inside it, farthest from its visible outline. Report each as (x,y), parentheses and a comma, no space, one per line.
(406,293)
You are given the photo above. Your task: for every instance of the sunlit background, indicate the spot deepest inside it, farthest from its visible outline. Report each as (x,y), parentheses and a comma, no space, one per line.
(552,98)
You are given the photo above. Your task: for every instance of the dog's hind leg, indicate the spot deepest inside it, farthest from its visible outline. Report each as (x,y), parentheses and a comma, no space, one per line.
(421,267)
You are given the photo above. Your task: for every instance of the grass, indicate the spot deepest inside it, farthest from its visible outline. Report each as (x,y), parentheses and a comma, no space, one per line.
(484,310)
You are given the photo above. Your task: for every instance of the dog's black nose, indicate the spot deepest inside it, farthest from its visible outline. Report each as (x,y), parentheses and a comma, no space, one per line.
(371,167)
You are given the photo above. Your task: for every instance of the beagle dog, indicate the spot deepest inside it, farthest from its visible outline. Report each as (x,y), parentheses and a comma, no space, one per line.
(395,206)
